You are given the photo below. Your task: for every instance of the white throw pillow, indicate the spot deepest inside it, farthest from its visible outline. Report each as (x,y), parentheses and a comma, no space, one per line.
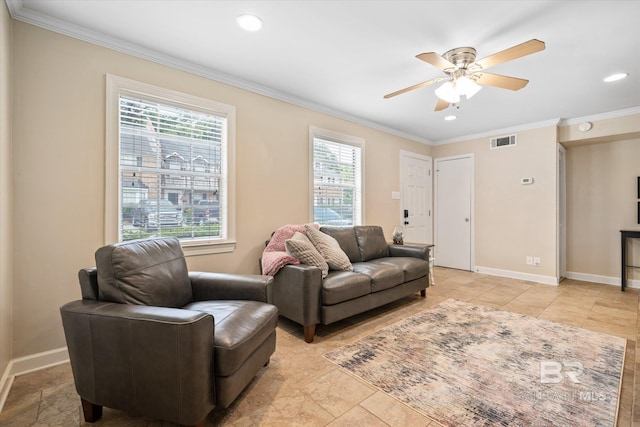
(299,246)
(330,250)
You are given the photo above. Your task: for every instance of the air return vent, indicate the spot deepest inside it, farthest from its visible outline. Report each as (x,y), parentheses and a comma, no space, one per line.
(503,141)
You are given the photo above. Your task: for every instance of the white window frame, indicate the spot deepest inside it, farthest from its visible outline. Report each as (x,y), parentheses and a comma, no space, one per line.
(340,138)
(115,87)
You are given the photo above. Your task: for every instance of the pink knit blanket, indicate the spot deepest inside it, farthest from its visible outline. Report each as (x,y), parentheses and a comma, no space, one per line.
(275,255)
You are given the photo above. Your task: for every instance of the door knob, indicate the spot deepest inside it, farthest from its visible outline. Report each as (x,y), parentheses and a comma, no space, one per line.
(466,220)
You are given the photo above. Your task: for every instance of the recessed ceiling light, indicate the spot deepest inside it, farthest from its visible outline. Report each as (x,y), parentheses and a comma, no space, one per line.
(615,77)
(249,22)
(449,118)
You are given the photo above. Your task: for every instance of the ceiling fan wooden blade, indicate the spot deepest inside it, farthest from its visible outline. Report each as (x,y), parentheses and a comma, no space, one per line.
(435,60)
(407,89)
(504,82)
(523,49)
(441,105)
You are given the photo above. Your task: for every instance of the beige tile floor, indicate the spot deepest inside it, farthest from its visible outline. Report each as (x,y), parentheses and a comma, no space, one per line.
(300,387)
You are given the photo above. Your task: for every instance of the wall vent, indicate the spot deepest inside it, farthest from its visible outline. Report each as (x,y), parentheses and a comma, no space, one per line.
(502,141)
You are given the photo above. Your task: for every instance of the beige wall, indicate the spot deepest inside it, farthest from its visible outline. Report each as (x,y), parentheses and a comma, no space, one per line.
(602,199)
(6,240)
(513,221)
(59,144)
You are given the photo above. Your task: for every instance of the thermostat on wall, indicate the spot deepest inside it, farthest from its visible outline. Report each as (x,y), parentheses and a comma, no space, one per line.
(526,181)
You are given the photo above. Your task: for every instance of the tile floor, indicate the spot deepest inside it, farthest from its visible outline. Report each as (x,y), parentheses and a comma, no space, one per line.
(300,387)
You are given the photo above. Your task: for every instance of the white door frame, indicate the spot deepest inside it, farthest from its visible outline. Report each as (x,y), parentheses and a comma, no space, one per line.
(403,154)
(561,221)
(472,254)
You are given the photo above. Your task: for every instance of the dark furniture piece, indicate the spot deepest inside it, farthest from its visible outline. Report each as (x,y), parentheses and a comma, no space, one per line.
(151,338)
(382,273)
(624,235)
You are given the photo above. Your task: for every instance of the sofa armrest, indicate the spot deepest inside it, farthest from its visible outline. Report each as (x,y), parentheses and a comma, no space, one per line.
(111,346)
(222,286)
(421,252)
(297,292)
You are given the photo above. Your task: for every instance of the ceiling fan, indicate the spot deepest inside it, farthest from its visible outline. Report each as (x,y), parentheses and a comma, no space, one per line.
(465,75)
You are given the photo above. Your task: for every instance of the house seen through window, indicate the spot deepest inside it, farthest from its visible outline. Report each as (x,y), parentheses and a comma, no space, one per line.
(337,178)
(171,171)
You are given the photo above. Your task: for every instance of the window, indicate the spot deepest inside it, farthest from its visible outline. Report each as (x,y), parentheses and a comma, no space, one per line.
(337,177)
(169,167)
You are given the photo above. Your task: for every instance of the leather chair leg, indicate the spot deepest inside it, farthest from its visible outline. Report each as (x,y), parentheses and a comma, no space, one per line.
(92,412)
(423,292)
(309,333)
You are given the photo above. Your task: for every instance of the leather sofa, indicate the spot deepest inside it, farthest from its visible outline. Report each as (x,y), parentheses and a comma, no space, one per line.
(382,273)
(153,339)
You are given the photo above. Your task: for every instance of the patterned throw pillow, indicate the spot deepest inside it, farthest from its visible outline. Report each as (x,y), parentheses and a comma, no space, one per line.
(300,247)
(330,250)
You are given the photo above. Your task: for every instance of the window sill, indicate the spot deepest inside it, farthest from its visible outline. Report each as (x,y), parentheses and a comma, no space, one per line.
(194,248)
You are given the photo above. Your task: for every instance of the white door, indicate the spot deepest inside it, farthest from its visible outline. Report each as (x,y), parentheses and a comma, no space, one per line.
(415,197)
(453,212)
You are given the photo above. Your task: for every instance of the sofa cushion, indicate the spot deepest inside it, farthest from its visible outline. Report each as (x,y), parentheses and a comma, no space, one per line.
(240,327)
(346,237)
(144,272)
(340,286)
(371,242)
(300,247)
(413,268)
(330,250)
(382,276)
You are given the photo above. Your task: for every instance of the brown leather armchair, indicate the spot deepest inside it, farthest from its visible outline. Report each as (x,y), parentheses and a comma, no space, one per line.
(151,338)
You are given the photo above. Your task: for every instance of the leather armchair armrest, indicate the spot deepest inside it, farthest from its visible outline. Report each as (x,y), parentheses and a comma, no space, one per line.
(151,359)
(297,292)
(221,286)
(421,252)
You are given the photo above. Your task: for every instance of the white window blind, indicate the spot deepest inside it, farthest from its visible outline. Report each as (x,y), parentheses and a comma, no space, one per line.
(337,182)
(172,166)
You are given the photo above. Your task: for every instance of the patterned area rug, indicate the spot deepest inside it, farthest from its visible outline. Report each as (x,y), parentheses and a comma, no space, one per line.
(465,365)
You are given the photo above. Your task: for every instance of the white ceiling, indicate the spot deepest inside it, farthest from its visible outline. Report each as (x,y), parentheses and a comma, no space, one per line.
(342,57)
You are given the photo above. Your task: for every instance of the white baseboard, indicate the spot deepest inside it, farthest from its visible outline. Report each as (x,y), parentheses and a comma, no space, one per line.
(5,385)
(33,362)
(538,278)
(607,280)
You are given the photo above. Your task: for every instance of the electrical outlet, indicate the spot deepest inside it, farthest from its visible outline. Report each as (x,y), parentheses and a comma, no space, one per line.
(536,261)
(529,260)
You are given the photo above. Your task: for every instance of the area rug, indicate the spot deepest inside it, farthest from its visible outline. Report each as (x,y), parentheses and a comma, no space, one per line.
(466,365)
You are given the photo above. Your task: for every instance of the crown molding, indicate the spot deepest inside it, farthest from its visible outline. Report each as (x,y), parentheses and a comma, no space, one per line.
(519,128)
(553,122)
(20,13)
(602,116)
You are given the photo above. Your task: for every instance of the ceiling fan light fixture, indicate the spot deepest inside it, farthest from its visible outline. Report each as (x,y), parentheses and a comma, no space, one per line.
(447,92)
(467,87)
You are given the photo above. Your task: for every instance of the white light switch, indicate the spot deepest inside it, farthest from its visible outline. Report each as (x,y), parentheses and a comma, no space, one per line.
(395,195)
